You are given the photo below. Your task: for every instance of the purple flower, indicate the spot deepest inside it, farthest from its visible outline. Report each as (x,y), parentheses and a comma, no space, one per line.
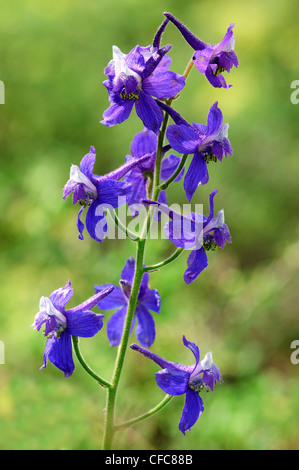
(145,143)
(211,59)
(148,299)
(134,79)
(207,143)
(177,379)
(97,193)
(61,325)
(197,233)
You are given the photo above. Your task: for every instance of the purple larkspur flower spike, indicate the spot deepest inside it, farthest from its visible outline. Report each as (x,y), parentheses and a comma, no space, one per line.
(61,324)
(210,59)
(97,193)
(148,299)
(197,233)
(206,142)
(176,379)
(135,79)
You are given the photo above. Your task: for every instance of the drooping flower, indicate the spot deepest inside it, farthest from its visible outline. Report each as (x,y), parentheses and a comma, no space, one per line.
(197,233)
(207,142)
(176,379)
(148,299)
(97,193)
(145,143)
(134,79)
(211,59)
(61,324)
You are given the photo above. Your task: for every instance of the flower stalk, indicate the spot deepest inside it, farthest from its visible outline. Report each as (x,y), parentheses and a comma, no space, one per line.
(181,165)
(188,68)
(85,366)
(112,391)
(171,258)
(144,416)
(139,271)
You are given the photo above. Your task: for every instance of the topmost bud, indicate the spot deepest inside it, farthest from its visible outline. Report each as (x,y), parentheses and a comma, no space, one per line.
(210,59)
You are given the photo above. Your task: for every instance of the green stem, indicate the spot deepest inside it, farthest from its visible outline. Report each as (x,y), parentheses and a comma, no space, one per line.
(85,366)
(171,258)
(112,390)
(149,186)
(156,187)
(111,397)
(175,174)
(151,412)
(121,226)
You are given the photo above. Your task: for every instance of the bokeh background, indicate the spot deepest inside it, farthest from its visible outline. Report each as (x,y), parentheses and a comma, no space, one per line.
(244,307)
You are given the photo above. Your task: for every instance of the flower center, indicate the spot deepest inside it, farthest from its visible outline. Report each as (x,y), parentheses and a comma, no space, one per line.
(218,70)
(88,199)
(196,384)
(209,243)
(210,158)
(131,96)
(60,328)
(126,82)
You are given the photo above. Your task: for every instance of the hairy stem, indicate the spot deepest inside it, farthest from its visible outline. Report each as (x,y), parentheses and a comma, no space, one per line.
(175,174)
(85,366)
(141,242)
(151,412)
(171,258)
(121,226)
(111,397)
(156,183)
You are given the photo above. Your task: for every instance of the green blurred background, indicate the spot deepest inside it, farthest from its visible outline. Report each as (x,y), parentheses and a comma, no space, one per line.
(244,307)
